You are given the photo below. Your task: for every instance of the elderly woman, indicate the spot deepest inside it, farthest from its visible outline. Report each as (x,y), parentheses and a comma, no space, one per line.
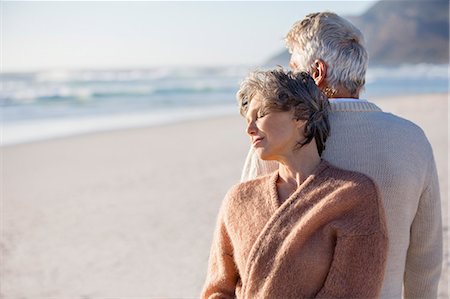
(308,229)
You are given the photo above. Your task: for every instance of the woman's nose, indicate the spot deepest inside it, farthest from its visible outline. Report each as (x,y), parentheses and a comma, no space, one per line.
(251,128)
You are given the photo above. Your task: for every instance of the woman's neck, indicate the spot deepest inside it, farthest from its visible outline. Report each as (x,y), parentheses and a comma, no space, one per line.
(293,170)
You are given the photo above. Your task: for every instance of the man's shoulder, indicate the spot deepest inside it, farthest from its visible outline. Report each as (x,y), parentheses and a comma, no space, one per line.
(369,117)
(400,124)
(372,111)
(396,120)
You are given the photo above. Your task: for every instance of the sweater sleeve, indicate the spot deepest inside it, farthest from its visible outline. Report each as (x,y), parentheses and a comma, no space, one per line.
(424,258)
(358,266)
(255,167)
(222,275)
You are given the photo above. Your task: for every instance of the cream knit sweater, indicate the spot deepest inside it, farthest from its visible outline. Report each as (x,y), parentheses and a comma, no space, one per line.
(397,155)
(327,240)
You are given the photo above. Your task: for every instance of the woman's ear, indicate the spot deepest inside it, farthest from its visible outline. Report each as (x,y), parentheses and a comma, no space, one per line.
(319,73)
(300,124)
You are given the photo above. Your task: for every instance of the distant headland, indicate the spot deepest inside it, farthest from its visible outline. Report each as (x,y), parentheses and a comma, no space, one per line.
(400,32)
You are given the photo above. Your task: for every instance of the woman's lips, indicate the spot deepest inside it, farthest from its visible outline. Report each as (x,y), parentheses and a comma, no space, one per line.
(256,141)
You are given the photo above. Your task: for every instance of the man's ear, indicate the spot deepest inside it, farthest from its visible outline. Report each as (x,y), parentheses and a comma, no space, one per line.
(319,73)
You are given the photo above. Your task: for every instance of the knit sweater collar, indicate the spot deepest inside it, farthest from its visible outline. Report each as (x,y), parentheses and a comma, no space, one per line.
(353,106)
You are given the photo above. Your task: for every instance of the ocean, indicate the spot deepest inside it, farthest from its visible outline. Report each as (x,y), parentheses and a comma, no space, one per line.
(49,104)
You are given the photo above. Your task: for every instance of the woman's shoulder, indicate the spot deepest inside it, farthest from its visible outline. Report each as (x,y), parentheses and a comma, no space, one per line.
(350,179)
(248,194)
(361,195)
(251,187)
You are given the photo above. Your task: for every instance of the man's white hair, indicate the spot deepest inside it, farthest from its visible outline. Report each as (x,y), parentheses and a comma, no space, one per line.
(337,42)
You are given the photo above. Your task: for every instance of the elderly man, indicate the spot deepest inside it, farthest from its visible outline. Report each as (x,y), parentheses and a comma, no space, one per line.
(391,150)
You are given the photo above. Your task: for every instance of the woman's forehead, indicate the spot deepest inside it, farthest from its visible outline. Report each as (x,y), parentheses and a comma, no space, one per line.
(256,102)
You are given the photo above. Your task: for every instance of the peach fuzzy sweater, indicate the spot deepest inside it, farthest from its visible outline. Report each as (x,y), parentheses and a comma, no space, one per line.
(328,239)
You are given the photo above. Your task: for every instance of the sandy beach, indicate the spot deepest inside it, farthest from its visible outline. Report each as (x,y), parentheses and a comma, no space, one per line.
(130,213)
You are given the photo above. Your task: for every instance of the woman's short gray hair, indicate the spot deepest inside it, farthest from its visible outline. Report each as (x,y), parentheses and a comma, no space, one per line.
(337,42)
(288,91)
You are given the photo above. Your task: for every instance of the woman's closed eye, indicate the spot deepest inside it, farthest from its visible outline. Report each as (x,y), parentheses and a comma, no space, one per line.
(260,114)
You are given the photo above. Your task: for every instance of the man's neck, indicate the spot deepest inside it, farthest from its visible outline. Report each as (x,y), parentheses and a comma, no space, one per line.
(345,94)
(342,92)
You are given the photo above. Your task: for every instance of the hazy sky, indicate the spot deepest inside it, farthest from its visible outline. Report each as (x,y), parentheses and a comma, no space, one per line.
(49,35)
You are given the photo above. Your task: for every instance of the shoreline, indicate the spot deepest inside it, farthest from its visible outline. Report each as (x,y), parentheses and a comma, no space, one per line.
(52,129)
(24,132)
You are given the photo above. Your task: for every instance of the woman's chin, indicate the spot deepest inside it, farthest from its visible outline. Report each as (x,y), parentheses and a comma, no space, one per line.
(264,155)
